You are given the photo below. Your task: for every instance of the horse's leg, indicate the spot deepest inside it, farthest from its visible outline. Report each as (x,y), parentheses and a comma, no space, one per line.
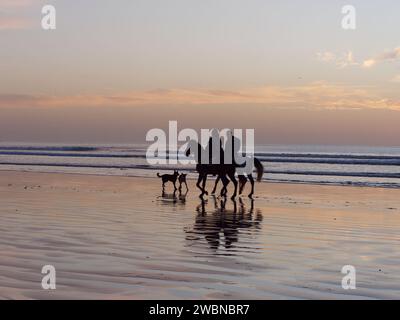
(252,185)
(242,183)
(186,186)
(222,178)
(215,185)
(215,202)
(223,203)
(234,206)
(198,183)
(226,182)
(235,183)
(204,185)
(224,191)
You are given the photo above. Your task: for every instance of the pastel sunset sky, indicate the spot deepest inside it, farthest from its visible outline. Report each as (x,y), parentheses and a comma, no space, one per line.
(112,70)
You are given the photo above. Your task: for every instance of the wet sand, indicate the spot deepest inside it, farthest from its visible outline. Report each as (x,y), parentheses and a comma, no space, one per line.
(120,238)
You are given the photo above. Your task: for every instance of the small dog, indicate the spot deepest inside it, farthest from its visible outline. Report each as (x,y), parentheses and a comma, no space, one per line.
(169,177)
(182,180)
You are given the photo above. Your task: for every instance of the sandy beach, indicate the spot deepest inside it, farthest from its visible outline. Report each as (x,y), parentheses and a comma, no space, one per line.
(120,238)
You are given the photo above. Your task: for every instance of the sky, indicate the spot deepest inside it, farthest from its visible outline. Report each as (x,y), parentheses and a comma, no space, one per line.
(112,70)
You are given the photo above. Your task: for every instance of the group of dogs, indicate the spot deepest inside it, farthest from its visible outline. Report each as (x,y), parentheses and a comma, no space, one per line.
(181,179)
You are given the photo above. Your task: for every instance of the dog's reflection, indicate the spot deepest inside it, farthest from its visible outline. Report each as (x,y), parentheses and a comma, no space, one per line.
(221,227)
(175,198)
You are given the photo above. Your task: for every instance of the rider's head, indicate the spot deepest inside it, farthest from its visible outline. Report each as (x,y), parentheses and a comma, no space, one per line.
(214,133)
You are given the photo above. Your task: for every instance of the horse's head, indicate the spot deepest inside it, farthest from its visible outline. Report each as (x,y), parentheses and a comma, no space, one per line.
(187,153)
(192,144)
(194,148)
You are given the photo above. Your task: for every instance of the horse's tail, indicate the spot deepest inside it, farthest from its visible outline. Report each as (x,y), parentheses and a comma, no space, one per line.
(260,169)
(158,175)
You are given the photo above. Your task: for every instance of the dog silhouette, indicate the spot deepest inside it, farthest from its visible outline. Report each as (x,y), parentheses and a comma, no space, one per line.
(169,178)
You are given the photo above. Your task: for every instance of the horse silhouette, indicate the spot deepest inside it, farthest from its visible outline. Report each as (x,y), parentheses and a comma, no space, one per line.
(223,171)
(243,177)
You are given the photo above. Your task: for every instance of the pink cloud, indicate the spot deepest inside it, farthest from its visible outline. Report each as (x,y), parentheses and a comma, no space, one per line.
(318,95)
(391,55)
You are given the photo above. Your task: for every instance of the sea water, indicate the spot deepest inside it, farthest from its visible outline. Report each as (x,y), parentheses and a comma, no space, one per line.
(339,165)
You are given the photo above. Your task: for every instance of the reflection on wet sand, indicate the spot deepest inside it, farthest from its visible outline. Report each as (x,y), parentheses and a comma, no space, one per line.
(222,225)
(175,198)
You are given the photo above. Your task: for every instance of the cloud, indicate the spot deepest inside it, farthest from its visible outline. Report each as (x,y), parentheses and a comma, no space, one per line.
(369,63)
(347,60)
(388,56)
(317,95)
(326,56)
(342,61)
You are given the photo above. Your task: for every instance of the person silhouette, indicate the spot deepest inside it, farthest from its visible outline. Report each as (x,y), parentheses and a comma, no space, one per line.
(214,148)
(232,149)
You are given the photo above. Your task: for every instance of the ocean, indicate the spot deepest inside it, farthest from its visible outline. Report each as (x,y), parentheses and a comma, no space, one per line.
(338,165)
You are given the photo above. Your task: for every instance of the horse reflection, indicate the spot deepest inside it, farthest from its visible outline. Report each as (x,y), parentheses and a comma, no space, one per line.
(222,226)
